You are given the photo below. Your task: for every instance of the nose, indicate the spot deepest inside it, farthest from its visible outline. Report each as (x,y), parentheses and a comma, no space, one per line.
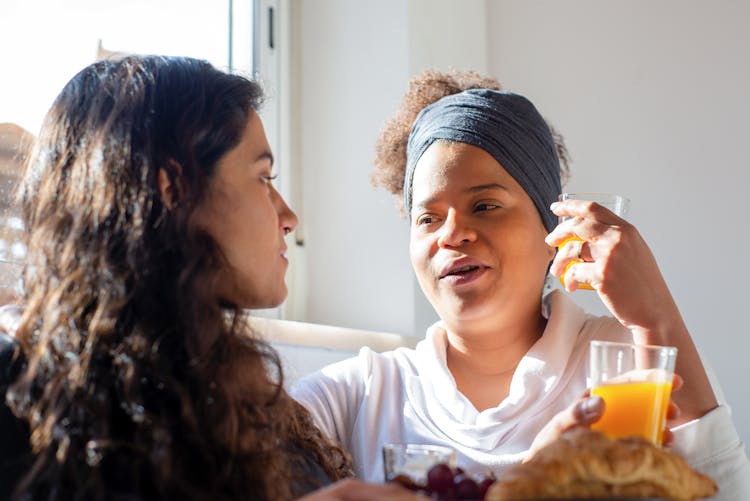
(287,218)
(455,231)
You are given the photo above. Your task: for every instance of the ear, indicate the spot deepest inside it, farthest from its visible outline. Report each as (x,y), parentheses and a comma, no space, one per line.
(171,187)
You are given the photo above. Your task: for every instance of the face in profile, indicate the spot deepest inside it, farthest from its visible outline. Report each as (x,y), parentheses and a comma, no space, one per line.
(248,219)
(477,241)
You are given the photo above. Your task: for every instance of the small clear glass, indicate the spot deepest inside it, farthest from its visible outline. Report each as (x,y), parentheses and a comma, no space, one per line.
(618,204)
(415,460)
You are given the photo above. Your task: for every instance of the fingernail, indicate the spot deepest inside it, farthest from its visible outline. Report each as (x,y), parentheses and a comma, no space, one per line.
(591,407)
(554,205)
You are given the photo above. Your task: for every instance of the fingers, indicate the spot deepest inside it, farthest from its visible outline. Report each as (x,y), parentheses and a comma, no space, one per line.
(583,229)
(673,411)
(677,382)
(586,412)
(572,253)
(574,249)
(586,220)
(583,412)
(577,273)
(585,209)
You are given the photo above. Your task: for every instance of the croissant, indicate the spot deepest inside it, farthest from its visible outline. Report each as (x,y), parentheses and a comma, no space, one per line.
(586,464)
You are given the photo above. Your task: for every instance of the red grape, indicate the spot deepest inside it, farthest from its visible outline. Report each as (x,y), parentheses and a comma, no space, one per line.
(440,478)
(444,483)
(465,487)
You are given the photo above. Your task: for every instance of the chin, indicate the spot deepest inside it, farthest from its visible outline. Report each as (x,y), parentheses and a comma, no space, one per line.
(269,300)
(464,309)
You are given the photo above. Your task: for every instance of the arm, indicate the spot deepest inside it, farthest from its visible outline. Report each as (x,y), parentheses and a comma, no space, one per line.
(354,490)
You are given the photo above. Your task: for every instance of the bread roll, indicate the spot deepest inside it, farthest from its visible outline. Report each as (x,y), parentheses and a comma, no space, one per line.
(585,464)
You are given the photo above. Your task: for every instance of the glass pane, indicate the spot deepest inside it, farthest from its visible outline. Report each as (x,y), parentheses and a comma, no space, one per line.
(45,42)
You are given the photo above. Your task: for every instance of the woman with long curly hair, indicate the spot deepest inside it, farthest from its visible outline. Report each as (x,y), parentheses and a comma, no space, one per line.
(152,223)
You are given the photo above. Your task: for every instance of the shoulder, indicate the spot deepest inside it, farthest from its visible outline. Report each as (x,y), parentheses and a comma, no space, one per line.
(368,374)
(367,366)
(398,360)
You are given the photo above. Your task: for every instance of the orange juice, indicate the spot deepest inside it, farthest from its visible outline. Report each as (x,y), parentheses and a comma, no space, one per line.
(562,276)
(638,408)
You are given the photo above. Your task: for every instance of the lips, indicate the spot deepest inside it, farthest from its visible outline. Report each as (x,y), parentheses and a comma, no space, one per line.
(462,268)
(284,250)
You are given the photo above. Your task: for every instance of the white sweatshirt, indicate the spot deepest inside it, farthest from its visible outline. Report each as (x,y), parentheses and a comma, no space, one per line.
(410,396)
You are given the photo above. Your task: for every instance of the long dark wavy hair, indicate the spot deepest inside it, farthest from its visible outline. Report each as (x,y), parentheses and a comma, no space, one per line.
(138,383)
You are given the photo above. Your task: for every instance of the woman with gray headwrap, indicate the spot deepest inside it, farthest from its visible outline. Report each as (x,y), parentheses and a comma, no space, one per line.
(503,371)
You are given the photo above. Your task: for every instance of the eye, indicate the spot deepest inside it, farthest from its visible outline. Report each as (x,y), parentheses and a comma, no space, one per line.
(485,206)
(269,178)
(425,219)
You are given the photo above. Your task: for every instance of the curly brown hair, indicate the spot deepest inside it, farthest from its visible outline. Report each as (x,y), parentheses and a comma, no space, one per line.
(425,89)
(139,384)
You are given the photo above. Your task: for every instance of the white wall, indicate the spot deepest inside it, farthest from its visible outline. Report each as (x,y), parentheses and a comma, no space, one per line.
(356,260)
(653,99)
(355,59)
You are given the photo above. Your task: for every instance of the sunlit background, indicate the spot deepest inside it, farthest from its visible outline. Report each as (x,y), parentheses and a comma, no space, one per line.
(44,43)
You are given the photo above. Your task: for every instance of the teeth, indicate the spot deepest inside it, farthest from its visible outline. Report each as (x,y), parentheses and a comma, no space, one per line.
(463,269)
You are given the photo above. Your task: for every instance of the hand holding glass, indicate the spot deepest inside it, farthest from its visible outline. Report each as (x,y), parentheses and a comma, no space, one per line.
(618,204)
(635,382)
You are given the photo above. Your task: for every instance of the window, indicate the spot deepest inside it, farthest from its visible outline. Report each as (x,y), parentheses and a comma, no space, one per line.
(46,42)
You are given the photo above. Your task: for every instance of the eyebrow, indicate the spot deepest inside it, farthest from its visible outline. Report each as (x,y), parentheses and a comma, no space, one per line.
(265,155)
(488,186)
(471,189)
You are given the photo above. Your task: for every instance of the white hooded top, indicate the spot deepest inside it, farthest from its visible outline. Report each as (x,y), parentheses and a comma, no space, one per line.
(410,396)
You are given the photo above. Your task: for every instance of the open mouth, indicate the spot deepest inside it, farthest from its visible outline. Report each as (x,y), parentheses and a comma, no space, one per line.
(462,271)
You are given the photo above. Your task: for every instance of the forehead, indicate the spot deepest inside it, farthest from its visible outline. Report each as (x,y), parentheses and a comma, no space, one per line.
(450,166)
(254,136)
(252,148)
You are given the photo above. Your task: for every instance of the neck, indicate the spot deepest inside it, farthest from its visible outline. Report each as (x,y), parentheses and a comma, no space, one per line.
(483,363)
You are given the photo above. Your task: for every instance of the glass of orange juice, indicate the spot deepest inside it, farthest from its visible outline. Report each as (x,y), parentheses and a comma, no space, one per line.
(635,382)
(616,203)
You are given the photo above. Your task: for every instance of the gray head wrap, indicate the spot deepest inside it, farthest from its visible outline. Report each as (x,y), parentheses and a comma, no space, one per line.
(505,125)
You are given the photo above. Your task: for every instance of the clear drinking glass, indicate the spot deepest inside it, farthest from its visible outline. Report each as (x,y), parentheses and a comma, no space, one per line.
(618,204)
(415,460)
(635,382)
